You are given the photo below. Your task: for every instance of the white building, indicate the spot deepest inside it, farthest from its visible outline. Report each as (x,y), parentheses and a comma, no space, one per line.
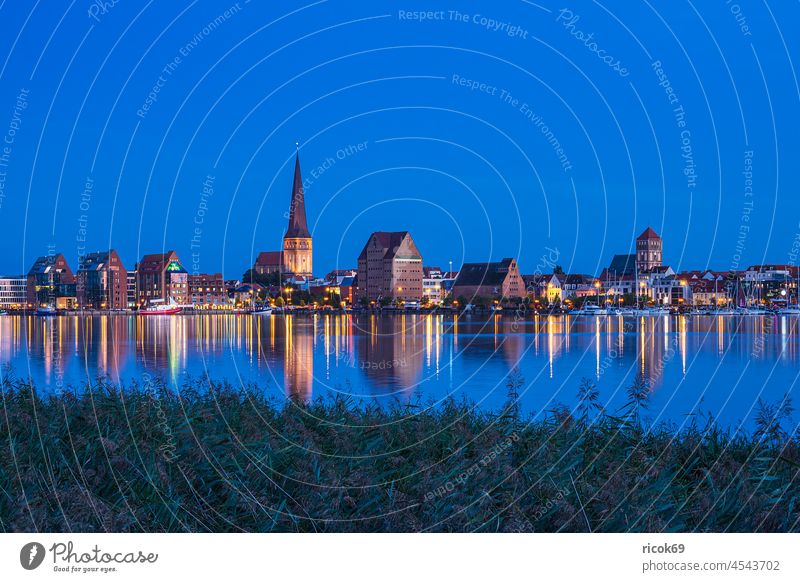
(433,285)
(13,292)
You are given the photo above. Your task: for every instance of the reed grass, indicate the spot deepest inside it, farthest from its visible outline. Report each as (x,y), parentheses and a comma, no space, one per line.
(218,458)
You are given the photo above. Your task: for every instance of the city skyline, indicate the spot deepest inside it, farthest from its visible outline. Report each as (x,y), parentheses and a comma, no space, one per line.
(433,126)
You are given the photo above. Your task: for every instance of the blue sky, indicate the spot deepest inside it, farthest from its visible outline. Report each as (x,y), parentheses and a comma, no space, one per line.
(505,129)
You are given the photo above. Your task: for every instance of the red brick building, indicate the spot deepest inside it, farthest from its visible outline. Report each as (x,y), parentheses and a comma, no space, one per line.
(161,276)
(489,280)
(208,291)
(269,262)
(390,265)
(51,282)
(102,281)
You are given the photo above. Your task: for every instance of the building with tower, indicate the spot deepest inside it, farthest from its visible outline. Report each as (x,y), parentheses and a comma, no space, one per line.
(649,251)
(297,259)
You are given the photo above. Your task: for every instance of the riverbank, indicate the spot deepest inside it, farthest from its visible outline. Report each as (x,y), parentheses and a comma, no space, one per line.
(220,458)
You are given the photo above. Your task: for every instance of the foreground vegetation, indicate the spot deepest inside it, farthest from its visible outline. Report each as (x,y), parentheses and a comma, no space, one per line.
(217,458)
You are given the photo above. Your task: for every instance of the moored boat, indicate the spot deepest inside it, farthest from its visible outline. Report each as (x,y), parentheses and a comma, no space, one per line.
(591,310)
(46,310)
(159,307)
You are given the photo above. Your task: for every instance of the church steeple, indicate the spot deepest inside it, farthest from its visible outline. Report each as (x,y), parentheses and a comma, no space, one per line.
(297,244)
(298,227)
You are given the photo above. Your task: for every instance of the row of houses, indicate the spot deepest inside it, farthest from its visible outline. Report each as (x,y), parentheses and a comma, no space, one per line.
(103,282)
(390,266)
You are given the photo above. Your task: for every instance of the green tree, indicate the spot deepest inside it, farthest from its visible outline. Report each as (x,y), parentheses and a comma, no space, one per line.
(266,280)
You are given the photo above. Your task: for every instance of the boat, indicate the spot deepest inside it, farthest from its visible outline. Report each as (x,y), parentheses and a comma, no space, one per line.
(46,310)
(159,307)
(649,312)
(591,309)
(755,311)
(789,311)
(262,311)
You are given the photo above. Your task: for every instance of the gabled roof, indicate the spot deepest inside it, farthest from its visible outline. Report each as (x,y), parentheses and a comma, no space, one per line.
(270,259)
(648,234)
(156,263)
(622,265)
(50,264)
(95,261)
(391,242)
(577,279)
(483,273)
(298,228)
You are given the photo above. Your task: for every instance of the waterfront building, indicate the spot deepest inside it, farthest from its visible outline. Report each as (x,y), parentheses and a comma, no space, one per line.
(498,280)
(390,266)
(13,292)
(432,288)
(208,291)
(708,287)
(770,284)
(577,285)
(649,251)
(102,281)
(705,292)
(246,295)
(667,288)
(341,282)
(131,289)
(50,282)
(161,277)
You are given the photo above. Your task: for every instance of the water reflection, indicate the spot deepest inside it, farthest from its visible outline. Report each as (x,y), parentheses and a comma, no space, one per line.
(434,355)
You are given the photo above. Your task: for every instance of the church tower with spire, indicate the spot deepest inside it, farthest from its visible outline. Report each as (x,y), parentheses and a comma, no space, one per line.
(297,240)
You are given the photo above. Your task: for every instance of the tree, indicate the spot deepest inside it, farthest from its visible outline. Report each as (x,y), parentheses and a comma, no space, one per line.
(279,302)
(558,270)
(265,279)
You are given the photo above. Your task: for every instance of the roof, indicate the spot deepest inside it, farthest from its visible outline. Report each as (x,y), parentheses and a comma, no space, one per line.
(391,242)
(578,280)
(298,228)
(483,273)
(156,263)
(622,265)
(648,234)
(270,259)
(94,261)
(426,271)
(47,264)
